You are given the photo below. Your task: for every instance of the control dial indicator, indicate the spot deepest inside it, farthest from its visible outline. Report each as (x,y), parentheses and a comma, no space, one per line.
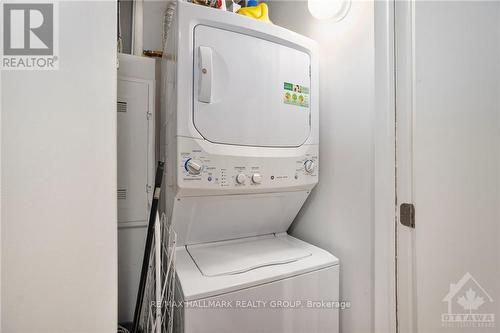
(241,178)
(256,178)
(309,166)
(193,167)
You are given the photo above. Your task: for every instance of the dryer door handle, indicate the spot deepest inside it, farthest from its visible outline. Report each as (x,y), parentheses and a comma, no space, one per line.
(205,64)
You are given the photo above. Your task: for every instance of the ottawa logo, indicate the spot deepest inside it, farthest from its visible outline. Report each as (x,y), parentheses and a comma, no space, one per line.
(467,301)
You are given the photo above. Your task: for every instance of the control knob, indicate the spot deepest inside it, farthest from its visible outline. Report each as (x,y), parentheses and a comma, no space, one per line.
(241,178)
(309,166)
(193,167)
(256,178)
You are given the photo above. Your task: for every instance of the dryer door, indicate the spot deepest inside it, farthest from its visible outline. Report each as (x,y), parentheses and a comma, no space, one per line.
(249,91)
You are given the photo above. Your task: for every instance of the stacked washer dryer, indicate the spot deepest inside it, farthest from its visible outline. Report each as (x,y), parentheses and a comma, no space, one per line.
(240,141)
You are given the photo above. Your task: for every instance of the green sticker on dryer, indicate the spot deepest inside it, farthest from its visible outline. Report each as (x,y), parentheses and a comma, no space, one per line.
(295,94)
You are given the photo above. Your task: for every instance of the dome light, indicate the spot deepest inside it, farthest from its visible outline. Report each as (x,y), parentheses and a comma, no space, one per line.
(329,9)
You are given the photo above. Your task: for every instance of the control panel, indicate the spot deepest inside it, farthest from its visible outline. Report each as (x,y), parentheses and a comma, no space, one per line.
(199,169)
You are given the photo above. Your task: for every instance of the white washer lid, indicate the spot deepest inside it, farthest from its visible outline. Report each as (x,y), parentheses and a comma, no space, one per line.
(242,255)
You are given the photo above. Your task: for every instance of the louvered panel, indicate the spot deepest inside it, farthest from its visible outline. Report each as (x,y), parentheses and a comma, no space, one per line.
(121,106)
(122,194)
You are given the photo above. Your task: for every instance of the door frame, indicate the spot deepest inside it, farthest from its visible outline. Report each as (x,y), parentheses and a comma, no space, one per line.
(385,318)
(404,41)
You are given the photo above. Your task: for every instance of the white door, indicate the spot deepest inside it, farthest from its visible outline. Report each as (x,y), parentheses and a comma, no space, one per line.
(255,85)
(448,165)
(135,150)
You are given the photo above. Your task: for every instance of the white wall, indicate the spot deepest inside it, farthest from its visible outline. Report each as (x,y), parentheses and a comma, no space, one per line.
(58,246)
(153,11)
(153,23)
(339,214)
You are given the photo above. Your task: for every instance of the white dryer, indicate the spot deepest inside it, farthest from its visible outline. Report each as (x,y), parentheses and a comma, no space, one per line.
(240,141)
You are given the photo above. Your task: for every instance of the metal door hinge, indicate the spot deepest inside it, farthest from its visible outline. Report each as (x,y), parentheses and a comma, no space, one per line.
(407,215)
(148,115)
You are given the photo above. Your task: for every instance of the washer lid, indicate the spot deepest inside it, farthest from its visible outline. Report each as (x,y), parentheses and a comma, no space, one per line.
(242,255)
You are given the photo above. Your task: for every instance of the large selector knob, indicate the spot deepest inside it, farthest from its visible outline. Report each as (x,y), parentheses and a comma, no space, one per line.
(241,178)
(194,167)
(309,166)
(256,178)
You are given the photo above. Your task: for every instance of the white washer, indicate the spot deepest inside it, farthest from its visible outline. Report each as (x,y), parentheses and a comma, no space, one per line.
(240,140)
(273,283)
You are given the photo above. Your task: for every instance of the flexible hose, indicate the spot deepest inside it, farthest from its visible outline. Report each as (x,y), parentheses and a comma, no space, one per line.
(168,17)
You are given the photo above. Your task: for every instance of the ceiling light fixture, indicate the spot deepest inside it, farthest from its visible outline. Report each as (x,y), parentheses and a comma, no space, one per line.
(329,9)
